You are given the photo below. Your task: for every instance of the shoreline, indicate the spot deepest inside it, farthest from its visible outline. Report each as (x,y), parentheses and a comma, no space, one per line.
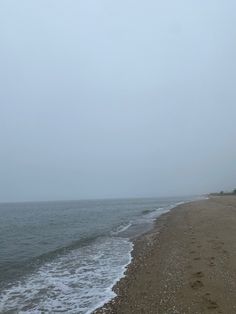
(178,266)
(138,252)
(133,240)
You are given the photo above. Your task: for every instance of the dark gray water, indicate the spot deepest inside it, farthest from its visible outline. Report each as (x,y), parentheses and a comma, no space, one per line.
(65,256)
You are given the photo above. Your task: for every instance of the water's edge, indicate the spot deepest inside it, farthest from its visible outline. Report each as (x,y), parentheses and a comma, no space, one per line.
(102,306)
(81,276)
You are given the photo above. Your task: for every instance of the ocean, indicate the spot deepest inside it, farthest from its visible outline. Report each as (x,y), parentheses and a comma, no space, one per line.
(65,256)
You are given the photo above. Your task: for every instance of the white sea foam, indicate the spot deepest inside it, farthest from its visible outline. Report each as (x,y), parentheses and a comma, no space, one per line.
(78,282)
(121,228)
(82,280)
(152,215)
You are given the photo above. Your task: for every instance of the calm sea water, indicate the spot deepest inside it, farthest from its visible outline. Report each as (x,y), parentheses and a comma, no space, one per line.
(66,256)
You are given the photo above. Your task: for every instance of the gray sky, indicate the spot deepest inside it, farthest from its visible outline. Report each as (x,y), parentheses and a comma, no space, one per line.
(102,98)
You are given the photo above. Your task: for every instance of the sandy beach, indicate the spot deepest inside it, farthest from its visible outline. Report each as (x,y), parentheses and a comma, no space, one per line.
(186,264)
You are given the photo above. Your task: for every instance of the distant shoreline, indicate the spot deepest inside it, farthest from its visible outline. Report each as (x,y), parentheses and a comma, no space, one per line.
(185,264)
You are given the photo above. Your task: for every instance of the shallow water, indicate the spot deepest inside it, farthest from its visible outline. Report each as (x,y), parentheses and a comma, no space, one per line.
(66,256)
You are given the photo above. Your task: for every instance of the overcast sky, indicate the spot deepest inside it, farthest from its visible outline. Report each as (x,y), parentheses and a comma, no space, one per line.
(102,98)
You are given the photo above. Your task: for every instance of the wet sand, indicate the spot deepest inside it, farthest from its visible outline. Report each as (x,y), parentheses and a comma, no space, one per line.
(186,264)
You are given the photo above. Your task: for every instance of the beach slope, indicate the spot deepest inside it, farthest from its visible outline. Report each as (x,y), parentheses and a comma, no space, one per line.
(186,264)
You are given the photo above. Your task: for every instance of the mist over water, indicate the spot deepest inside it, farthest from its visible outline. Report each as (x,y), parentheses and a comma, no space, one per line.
(106,99)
